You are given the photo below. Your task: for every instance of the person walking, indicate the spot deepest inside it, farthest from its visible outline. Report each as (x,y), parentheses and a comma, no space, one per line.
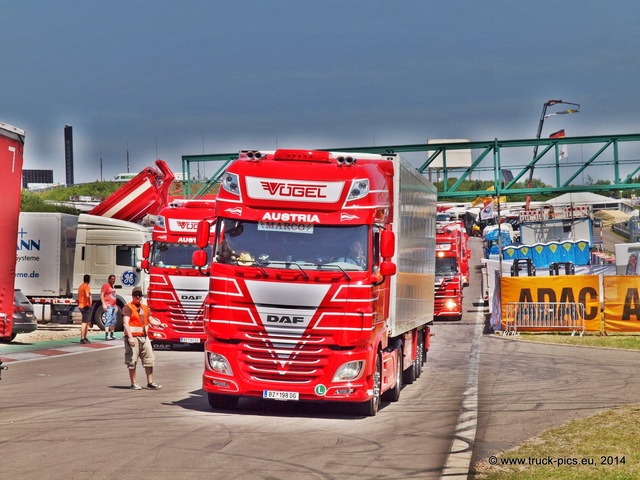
(136,317)
(84,304)
(108,297)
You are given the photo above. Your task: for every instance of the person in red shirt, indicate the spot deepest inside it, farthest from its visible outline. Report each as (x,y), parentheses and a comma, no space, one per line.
(136,318)
(109,306)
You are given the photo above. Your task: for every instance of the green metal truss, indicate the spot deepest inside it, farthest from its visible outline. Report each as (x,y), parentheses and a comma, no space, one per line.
(602,157)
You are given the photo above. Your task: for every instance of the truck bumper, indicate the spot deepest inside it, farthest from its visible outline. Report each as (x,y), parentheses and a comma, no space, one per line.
(247,380)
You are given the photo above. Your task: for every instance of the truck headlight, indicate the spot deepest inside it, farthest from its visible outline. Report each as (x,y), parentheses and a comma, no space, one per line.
(219,363)
(359,189)
(230,183)
(349,371)
(451,304)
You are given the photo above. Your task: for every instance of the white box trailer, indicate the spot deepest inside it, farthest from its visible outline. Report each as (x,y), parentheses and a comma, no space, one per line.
(415,206)
(55,250)
(44,262)
(45,253)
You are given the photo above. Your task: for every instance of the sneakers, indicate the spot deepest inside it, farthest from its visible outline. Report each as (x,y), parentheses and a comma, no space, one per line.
(106,336)
(85,340)
(111,337)
(153,386)
(135,386)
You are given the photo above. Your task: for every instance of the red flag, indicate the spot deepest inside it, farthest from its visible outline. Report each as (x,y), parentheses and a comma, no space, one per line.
(558,134)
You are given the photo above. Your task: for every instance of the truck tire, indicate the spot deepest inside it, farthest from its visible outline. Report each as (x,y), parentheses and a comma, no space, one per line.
(393,395)
(420,354)
(96,318)
(222,402)
(410,374)
(371,406)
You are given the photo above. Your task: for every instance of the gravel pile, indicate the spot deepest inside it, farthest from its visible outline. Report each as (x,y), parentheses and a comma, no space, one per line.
(53,331)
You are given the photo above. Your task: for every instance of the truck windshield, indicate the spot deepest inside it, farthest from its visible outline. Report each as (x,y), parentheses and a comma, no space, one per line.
(166,254)
(446,266)
(279,245)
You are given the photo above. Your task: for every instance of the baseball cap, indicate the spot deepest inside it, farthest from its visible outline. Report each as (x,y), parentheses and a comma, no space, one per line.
(137,291)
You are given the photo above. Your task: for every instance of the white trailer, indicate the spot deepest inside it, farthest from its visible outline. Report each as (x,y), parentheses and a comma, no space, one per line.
(55,251)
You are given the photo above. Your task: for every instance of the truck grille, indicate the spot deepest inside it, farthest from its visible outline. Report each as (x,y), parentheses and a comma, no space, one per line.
(187,319)
(285,359)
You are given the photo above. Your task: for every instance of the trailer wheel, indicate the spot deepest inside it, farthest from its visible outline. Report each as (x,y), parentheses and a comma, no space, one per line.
(222,402)
(393,395)
(422,354)
(371,406)
(410,374)
(419,355)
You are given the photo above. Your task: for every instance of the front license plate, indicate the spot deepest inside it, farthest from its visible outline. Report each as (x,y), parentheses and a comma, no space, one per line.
(276,395)
(189,340)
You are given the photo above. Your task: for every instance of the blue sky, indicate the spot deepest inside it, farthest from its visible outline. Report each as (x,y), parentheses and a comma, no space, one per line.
(170,78)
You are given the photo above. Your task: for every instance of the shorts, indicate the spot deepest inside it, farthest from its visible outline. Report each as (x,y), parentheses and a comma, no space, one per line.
(86,314)
(142,349)
(109,316)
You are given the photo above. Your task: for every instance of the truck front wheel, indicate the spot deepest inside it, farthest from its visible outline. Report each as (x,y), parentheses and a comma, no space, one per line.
(371,406)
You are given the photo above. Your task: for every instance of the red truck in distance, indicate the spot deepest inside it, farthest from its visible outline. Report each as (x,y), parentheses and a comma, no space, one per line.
(321,288)
(177,289)
(452,271)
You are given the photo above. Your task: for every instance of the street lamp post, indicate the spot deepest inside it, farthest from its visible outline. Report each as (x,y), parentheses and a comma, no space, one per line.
(544,115)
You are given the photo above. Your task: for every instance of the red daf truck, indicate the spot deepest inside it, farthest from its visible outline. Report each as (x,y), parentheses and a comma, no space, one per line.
(321,288)
(177,289)
(55,250)
(452,271)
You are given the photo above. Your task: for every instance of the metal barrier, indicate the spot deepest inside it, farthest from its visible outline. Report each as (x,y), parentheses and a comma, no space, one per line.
(544,316)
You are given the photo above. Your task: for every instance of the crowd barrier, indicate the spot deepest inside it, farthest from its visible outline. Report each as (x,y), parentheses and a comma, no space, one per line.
(528,316)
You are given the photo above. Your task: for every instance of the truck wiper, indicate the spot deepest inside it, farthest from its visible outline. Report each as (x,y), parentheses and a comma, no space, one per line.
(334,265)
(306,277)
(259,265)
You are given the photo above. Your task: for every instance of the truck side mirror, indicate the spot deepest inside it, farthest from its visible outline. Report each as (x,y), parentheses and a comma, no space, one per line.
(387,244)
(199,258)
(387,269)
(146,250)
(202,235)
(144,265)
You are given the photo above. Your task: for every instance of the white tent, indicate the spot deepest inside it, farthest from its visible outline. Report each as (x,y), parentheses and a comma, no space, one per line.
(597,202)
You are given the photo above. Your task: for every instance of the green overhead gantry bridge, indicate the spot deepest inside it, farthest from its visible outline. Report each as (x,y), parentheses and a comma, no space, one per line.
(561,163)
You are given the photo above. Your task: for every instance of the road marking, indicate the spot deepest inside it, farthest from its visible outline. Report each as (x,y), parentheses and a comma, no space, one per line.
(57,350)
(459,460)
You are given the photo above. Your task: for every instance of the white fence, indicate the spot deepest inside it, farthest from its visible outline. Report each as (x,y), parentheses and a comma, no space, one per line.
(529,316)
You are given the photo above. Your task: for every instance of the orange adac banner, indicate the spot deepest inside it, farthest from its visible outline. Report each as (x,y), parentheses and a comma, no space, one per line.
(584,289)
(622,303)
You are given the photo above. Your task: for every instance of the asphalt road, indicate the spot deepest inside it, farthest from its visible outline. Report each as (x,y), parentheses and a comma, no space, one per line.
(71,415)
